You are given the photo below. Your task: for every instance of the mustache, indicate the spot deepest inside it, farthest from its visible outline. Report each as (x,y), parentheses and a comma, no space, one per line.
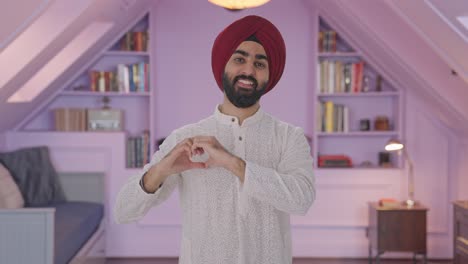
(245,77)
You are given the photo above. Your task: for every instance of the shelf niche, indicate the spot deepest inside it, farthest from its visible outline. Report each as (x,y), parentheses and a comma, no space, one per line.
(119,74)
(350,95)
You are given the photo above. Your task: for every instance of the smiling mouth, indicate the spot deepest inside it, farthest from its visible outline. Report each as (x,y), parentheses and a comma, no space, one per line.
(245,84)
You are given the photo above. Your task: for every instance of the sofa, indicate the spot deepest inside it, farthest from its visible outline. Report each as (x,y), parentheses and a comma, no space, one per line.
(38,224)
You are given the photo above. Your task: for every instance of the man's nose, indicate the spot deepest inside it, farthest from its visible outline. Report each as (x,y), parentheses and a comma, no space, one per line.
(248,70)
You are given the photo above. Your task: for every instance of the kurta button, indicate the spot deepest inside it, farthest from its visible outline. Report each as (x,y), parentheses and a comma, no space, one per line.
(240,138)
(233,120)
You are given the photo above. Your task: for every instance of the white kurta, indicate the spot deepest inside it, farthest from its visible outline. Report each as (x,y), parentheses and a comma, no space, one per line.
(224,220)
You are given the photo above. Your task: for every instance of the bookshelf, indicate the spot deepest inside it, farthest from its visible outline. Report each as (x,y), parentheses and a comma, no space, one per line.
(356,109)
(121,75)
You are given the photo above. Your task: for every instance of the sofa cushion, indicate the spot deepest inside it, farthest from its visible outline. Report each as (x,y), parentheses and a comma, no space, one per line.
(10,195)
(35,175)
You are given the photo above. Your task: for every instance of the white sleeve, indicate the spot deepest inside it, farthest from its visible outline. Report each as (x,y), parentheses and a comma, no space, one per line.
(133,202)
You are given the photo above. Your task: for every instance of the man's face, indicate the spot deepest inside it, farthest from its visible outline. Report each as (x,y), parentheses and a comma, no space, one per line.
(246,74)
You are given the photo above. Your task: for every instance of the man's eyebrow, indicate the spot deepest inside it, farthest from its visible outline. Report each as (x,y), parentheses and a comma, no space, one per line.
(261,57)
(246,54)
(242,52)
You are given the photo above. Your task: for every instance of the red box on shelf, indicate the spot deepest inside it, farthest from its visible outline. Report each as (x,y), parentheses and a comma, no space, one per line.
(334,161)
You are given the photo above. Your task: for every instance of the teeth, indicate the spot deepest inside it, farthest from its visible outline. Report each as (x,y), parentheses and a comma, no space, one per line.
(246,82)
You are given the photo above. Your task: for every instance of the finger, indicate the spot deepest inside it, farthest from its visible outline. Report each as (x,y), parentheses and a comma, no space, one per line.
(187,141)
(205,141)
(203,145)
(199,146)
(179,145)
(180,150)
(188,145)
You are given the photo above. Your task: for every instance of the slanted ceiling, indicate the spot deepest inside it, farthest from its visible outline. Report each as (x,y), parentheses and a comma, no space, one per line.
(19,18)
(417,44)
(118,13)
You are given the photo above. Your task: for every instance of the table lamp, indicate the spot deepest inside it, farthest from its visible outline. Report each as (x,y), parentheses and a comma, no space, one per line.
(396,145)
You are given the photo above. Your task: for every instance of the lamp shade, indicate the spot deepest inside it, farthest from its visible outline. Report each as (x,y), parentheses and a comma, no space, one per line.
(238,4)
(394,145)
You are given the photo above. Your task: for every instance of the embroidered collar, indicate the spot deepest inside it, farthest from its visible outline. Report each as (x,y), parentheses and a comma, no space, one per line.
(229,120)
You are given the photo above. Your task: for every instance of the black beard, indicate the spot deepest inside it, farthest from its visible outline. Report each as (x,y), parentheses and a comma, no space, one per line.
(241,99)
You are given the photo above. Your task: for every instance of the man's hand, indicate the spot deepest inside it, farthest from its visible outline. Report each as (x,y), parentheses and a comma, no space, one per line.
(176,161)
(218,155)
(179,160)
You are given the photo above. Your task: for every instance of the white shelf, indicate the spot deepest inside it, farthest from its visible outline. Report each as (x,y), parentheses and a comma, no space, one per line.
(360,94)
(356,168)
(358,134)
(89,93)
(338,54)
(125,53)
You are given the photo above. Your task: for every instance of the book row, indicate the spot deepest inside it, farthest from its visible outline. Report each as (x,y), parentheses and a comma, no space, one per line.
(341,77)
(134,41)
(332,117)
(327,41)
(126,78)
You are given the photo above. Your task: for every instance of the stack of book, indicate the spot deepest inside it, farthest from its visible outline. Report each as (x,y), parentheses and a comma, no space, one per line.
(138,150)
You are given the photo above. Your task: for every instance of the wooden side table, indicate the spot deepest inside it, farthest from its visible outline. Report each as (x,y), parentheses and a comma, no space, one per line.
(399,228)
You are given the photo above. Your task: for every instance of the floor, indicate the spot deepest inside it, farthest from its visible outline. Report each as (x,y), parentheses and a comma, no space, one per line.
(296,261)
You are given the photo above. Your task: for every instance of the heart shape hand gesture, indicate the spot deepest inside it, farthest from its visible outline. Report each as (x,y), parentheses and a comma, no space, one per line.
(179,159)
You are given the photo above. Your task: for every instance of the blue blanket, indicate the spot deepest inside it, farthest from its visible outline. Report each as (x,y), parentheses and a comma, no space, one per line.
(75,223)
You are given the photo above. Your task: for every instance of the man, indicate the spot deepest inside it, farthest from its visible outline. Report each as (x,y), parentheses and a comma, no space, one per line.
(240,172)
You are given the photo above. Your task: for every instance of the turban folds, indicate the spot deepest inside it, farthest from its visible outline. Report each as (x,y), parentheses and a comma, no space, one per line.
(236,33)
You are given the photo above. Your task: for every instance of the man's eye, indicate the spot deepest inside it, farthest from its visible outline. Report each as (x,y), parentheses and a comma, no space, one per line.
(260,65)
(239,60)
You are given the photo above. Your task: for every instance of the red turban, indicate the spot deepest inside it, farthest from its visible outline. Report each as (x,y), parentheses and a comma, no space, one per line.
(236,33)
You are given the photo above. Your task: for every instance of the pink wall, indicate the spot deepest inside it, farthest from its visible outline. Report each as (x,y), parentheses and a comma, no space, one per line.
(186,90)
